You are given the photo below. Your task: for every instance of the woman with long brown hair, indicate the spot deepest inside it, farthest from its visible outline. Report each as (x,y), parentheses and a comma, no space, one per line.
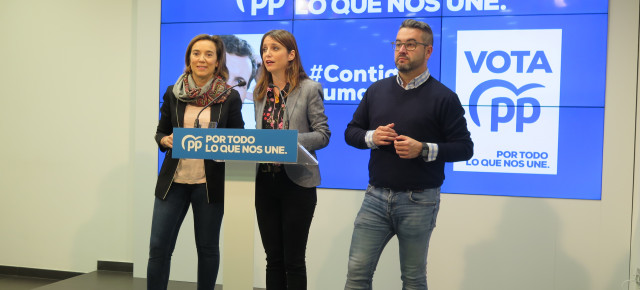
(285,98)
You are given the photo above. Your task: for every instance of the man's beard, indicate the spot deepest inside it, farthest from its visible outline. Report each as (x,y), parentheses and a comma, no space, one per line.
(407,67)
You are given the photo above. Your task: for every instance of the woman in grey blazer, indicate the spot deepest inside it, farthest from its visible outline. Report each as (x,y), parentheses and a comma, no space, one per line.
(285,98)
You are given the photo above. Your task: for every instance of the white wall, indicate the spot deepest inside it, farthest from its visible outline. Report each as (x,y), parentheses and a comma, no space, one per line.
(635,242)
(65,190)
(81,188)
(146,67)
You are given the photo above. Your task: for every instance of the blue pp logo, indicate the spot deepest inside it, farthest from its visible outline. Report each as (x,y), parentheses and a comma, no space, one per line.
(514,110)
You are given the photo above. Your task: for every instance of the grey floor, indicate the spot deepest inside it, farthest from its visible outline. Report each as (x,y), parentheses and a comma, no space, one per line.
(98,280)
(22,283)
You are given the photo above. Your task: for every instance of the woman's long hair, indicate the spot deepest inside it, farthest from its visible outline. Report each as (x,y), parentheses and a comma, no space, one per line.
(294,71)
(221,55)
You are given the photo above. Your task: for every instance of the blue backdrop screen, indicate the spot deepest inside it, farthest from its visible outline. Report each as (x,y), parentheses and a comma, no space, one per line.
(530,75)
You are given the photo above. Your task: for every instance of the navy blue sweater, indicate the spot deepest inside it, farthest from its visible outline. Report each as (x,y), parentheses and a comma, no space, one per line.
(429,113)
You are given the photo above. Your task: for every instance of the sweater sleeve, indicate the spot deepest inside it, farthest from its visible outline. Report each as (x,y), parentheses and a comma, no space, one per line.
(458,145)
(357,129)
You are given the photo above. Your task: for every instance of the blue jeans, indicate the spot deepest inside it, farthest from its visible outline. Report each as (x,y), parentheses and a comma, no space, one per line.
(168,215)
(411,216)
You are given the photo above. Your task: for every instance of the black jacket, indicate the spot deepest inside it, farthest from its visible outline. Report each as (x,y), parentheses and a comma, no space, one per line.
(172,115)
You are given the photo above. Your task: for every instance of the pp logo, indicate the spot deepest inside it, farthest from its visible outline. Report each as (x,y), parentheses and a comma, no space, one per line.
(261,4)
(190,142)
(516,109)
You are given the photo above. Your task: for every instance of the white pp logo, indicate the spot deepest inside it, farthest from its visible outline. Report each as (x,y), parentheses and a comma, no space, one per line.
(190,142)
(261,4)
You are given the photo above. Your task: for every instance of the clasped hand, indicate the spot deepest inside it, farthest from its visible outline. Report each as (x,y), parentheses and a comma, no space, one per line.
(406,147)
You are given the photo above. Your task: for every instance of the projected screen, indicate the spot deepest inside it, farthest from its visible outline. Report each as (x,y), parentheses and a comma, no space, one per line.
(530,75)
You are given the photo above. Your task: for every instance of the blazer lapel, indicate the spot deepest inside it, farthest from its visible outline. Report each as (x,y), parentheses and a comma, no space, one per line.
(292,100)
(180,108)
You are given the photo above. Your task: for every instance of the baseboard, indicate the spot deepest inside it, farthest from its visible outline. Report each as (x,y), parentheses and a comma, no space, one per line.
(115,266)
(37,273)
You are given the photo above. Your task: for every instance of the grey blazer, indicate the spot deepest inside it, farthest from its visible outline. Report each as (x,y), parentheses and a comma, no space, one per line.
(305,113)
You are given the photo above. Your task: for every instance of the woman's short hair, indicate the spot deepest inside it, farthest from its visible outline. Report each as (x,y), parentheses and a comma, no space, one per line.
(221,55)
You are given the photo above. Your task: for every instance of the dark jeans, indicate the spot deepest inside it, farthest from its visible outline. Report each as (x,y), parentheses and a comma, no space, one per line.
(168,215)
(284,211)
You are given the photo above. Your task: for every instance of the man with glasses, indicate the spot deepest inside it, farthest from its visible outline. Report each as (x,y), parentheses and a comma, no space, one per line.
(413,124)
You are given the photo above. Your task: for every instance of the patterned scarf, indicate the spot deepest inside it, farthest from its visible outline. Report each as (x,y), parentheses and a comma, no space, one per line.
(186,90)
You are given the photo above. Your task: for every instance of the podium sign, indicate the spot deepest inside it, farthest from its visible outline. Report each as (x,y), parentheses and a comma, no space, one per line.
(240,145)
(236,144)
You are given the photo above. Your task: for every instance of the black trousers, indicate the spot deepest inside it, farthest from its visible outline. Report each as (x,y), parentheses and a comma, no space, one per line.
(284,211)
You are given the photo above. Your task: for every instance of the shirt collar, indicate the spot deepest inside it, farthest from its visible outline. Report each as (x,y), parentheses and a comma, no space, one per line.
(416,82)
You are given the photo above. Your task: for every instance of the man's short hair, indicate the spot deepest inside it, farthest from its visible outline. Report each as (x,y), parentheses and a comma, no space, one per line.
(240,47)
(427,36)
